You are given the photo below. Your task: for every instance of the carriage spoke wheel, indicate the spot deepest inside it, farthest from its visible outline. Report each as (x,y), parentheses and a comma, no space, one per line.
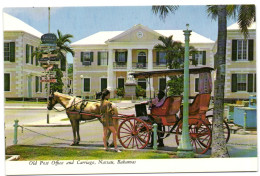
(200,135)
(133,133)
(225,126)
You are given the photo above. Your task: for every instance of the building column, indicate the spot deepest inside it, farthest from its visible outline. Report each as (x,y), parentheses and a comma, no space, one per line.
(110,73)
(150,68)
(129,59)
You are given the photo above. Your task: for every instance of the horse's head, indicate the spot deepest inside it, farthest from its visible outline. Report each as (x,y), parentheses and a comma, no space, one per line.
(52,101)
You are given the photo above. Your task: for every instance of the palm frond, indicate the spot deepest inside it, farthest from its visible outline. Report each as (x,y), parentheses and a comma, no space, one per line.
(164,10)
(246,17)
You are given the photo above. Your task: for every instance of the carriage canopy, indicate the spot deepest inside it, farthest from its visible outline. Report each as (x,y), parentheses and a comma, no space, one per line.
(171,72)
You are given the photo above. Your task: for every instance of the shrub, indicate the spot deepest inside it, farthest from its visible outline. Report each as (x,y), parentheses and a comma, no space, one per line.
(140,91)
(120,92)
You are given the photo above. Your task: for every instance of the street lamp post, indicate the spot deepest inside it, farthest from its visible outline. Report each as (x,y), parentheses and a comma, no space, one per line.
(185,149)
(82,86)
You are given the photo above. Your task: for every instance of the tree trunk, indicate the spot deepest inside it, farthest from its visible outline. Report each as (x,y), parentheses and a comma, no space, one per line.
(219,148)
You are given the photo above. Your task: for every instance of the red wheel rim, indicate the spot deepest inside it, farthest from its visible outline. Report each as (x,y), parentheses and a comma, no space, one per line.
(200,135)
(133,133)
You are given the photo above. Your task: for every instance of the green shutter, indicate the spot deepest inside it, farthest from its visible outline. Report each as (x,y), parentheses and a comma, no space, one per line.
(234,83)
(103,83)
(7,81)
(193,59)
(32,55)
(116,56)
(27,53)
(250,83)
(86,84)
(126,56)
(157,57)
(36,57)
(36,84)
(99,59)
(81,56)
(234,50)
(196,84)
(12,51)
(107,58)
(91,57)
(204,58)
(250,50)
(255,84)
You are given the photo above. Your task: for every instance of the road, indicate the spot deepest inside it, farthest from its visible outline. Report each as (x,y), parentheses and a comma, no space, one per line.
(91,133)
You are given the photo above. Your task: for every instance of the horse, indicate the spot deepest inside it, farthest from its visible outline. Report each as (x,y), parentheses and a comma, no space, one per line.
(78,109)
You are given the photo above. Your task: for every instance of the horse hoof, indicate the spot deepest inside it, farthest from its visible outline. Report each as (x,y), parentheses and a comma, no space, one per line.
(73,144)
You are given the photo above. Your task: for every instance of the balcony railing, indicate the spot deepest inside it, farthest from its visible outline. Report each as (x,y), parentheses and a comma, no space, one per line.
(119,65)
(138,65)
(159,65)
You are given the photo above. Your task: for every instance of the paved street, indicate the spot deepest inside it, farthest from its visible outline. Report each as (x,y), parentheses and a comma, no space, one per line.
(91,132)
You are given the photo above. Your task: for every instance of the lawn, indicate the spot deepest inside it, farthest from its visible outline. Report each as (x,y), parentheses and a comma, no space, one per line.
(50,153)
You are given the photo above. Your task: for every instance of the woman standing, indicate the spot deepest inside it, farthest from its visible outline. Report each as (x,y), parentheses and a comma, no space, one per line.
(108,122)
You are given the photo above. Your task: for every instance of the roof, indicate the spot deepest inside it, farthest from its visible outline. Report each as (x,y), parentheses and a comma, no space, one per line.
(14,24)
(178,35)
(171,72)
(100,38)
(236,27)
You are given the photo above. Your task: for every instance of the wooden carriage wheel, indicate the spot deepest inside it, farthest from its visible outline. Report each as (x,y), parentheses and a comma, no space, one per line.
(200,135)
(225,126)
(134,133)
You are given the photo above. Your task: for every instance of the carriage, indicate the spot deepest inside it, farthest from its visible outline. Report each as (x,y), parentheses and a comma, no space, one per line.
(135,132)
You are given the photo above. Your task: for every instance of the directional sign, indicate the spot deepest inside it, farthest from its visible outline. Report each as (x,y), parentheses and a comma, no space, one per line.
(50,72)
(49,80)
(49,38)
(44,59)
(49,55)
(54,62)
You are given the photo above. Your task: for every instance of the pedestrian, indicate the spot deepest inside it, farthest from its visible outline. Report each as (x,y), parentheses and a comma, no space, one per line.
(108,122)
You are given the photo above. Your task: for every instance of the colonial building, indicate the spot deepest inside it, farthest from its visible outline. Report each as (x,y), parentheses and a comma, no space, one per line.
(104,59)
(22,71)
(240,63)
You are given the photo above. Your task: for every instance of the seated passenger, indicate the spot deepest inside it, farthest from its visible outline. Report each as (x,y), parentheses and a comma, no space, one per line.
(159,100)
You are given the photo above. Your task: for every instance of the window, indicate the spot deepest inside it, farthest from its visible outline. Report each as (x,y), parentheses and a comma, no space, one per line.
(7,82)
(196,84)
(161,58)
(86,84)
(121,57)
(86,58)
(102,58)
(241,82)
(200,57)
(241,49)
(103,83)
(6,51)
(142,83)
(121,83)
(162,84)
(9,51)
(38,84)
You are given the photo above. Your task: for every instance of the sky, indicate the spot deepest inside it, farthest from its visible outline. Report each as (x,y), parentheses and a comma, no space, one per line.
(84,21)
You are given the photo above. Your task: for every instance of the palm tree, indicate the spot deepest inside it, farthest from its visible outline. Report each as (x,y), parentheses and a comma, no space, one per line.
(246,15)
(63,48)
(175,58)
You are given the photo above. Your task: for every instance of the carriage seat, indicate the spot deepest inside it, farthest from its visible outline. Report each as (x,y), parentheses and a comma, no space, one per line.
(166,114)
(199,105)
